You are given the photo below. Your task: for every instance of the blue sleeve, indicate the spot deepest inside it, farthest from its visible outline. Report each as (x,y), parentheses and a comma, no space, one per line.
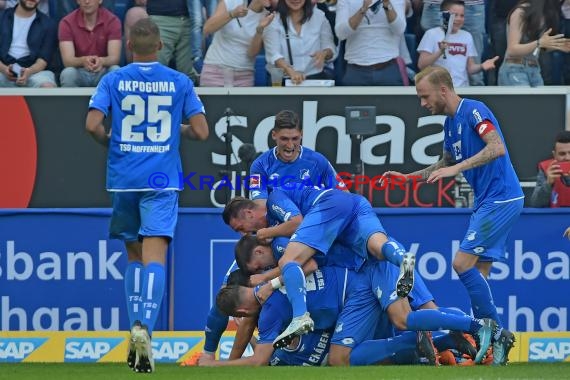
(192,103)
(280,207)
(101,98)
(478,114)
(257,180)
(271,321)
(278,246)
(330,178)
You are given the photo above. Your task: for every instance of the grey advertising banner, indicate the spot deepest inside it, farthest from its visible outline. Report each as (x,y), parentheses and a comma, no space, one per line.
(71,166)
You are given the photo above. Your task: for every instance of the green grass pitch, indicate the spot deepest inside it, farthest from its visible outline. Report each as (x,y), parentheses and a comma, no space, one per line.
(114,371)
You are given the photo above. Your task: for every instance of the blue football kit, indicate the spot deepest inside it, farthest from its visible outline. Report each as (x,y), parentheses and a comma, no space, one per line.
(309,169)
(498,195)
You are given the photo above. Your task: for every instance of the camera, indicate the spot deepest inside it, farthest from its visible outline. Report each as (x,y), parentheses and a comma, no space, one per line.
(16,69)
(565,167)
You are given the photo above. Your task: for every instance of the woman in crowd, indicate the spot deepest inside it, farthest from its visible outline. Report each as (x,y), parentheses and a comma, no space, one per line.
(300,41)
(230,59)
(532,26)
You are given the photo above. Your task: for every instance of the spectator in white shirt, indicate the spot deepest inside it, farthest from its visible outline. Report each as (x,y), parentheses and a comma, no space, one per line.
(300,41)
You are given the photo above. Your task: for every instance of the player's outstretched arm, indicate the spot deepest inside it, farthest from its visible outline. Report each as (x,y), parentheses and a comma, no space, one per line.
(243,336)
(260,357)
(94,125)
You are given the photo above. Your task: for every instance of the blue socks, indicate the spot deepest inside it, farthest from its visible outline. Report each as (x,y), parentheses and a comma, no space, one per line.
(433,319)
(152,293)
(393,251)
(133,286)
(294,280)
(215,327)
(374,351)
(480,295)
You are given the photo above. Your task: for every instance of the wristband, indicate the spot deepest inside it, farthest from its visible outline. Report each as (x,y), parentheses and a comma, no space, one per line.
(276,283)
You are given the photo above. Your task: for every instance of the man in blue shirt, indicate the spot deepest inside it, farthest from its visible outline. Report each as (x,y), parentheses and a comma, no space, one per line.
(147,102)
(289,161)
(315,218)
(474,145)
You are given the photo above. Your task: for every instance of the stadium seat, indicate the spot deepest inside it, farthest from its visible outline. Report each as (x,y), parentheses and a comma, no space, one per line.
(260,74)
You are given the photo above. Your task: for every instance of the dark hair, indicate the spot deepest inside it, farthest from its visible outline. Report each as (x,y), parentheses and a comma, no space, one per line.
(563,137)
(538,16)
(235,206)
(238,277)
(228,299)
(446,4)
(243,251)
(283,11)
(287,119)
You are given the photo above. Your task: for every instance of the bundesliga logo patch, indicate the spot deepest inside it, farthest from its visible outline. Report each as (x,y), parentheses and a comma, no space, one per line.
(255,181)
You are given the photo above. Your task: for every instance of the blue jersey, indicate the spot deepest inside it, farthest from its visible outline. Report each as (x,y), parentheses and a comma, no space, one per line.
(311,350)
(310,169)
(325,291)
(147,103)
(495,181)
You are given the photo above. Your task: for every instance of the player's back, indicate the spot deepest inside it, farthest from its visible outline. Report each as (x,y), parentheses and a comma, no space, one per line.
(148,102)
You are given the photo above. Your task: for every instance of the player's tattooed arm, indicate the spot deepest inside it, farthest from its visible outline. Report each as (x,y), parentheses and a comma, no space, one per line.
(494,148)
(446,160)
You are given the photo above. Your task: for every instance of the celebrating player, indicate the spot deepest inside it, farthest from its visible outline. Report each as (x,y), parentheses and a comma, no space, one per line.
(147,102)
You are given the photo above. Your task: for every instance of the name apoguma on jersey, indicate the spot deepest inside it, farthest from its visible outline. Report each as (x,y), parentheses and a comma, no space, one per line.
(150,87)
(144,148)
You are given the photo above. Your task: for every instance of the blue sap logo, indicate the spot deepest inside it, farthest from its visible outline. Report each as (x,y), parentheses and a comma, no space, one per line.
(89,349)
(169,350)
(226,344)
(548,349)
(17,349)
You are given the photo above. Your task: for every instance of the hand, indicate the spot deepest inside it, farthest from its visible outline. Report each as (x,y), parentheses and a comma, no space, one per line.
(449,171)
(266,20)
(9,74)
(256,279)
(22,80)
(97,64)
(319,58)
(264,292)
(366,4)
(442,46)
(567,233)
(239,11)
(489,64)
(263,235)
(553,173)
(206,360)
(296,76)
(554,42)
(389,177)
(87,62)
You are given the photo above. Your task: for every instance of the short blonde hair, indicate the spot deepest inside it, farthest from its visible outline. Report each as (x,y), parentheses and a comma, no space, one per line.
(436,76)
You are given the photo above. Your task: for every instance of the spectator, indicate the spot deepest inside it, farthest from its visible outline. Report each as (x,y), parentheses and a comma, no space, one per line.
(499,12)
(373,33)
(457,53)
(566,27)
(229,60)
(27,42)
(43,5)
(474,24)
(196,12)
(300,41)
(532,26)
(90,44)
(174,24)
(134,14)
(550,189)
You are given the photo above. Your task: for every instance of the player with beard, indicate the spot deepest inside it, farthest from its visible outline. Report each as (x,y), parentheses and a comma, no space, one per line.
(474,145)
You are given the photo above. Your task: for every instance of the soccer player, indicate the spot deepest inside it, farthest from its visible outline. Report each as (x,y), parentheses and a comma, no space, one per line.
(288,162)
(147,102)
(474,145)
(315,218)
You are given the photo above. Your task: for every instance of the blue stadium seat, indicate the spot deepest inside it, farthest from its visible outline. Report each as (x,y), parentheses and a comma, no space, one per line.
(260,74)
(121,7)
(412,43)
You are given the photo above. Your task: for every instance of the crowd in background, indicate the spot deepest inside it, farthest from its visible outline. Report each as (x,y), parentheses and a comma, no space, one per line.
(73,43)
